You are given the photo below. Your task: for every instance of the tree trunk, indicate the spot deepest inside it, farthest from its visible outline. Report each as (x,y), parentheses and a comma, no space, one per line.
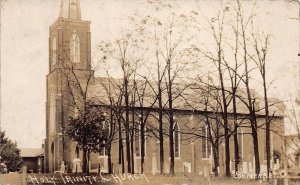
(235,134)
(110,169)
(127,130)
(216,159)
(236,148)
(214,143)
(132,143)
(123,160)
(160,117)
(227,152)
(111,135)
(86,158)
(256,151)
(161,135)
(251,107)
(142,131)
(121,151)
(171,142)
(171,117)
(84,162)
(255,140)
(268,138)
(225,120)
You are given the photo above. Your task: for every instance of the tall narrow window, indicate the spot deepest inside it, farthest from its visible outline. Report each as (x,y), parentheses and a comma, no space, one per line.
(54,52)
(241,143)
(176,136)
(75,48)
(104,149)
(52,112)
(265,146)
(138,140)
(206,145)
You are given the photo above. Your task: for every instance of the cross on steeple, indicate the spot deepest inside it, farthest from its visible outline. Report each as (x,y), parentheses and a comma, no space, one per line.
(70,9)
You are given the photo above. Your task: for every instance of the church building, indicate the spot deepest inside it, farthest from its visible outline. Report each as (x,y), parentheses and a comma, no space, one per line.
(70,42)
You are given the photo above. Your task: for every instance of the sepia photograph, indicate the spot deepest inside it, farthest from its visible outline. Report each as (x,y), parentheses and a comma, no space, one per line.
(158,92)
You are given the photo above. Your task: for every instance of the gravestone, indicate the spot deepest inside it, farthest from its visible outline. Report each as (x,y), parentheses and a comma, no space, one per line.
(245,168)
(62,168)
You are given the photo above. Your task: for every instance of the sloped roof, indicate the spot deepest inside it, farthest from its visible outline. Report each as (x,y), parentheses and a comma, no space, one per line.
(188,96)
(32,152)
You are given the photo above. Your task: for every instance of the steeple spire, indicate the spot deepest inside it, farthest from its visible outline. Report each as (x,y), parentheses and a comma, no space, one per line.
(70,9)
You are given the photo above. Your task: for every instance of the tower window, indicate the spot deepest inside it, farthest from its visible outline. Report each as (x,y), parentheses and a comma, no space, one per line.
(75,48)
(52,112)
(54,49)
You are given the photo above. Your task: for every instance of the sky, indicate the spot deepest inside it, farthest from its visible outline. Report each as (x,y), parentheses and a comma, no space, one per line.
(24,51)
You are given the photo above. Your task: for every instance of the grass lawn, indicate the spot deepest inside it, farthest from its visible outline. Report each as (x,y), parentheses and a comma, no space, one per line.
(11,179)
(16,179)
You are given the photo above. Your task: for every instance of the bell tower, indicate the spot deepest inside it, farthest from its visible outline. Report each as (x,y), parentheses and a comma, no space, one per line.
(70,38)
(69,48)
(70,9)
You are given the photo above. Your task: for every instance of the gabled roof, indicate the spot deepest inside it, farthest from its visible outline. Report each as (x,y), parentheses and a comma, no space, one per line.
(32,152)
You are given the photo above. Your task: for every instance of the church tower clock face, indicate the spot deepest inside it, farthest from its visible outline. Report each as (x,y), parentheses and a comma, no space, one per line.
(74,48)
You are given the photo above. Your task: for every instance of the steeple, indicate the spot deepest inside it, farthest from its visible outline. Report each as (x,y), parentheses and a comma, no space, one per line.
(70,9)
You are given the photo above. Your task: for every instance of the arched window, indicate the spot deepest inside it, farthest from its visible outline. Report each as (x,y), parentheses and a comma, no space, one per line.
(74,48)
(54,52)
(176,137)
(206,144)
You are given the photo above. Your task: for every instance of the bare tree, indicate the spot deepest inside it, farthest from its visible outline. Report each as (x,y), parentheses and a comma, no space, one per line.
(211,103)
(249,100)
(113,93)
(216,25)
(144,99)
(127,55)
(260,45)
(171,55)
